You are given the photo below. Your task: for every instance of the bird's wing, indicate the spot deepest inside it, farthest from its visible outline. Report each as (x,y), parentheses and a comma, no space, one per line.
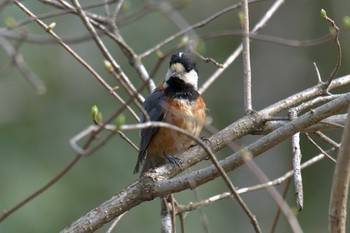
(154,107)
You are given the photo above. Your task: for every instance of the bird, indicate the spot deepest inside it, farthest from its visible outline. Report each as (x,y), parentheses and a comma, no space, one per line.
(175,101)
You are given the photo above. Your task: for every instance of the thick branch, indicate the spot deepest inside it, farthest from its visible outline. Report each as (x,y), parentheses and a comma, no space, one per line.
(156,184)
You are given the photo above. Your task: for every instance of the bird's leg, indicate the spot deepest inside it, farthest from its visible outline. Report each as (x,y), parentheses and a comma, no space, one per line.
(172,159)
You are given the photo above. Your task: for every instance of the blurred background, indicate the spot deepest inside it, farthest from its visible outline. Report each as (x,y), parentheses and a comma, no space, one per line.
(35,129)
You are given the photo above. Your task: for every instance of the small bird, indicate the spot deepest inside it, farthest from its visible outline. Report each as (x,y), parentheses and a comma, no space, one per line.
(175,101)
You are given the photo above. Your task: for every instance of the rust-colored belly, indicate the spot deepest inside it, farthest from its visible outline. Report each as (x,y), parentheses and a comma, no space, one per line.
(188,116)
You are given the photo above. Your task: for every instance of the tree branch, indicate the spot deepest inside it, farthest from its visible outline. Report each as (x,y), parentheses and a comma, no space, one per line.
(157,184)
(340,185)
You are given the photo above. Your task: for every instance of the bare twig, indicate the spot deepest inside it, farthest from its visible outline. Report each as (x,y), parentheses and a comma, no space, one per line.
(337,42)
(278,211)
(115,222)
(327,139)
(340,185)
(207,59)
(238,51)
(332,122)
(319,78)
(283,205)
(247,71)
(18,60)
(320,148)
(76,56)
(277,181)
(271,39)
(119,74)
(190,28)
(298,181)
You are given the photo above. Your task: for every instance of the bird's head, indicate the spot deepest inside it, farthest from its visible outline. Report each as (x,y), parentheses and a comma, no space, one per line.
(182,68)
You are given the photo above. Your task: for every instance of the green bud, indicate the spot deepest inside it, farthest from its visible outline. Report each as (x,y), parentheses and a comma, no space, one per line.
(108,66)
(51,26)
(159,53)
(96,115)
(323,14)
(119,121)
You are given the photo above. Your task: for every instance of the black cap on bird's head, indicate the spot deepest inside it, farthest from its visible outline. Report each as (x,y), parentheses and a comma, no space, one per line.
(183,67)
(185,59)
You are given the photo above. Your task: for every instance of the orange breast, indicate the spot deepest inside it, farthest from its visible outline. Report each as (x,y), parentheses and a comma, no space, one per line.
(188,116)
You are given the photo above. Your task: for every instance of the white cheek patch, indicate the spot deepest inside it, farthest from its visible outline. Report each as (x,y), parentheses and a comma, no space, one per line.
(191,78)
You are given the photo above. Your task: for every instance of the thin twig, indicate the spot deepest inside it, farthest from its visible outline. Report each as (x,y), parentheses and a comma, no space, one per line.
(206,59)
(18,60)
(226,195)
(235,54)
(247,71)
(119,74)
(319,78)
(337,42)
(326,139)
(283,205)
(173,212)
(298,180)
(278,212)
(194,26)
(115,222)
(271,39)
(76,56)
(320,148)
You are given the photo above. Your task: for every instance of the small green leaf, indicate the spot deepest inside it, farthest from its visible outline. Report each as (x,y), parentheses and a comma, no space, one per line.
(323,14)
(119,121)
(108,66)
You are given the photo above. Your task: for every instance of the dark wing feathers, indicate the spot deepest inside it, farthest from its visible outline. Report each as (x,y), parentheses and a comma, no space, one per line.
(153,106)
